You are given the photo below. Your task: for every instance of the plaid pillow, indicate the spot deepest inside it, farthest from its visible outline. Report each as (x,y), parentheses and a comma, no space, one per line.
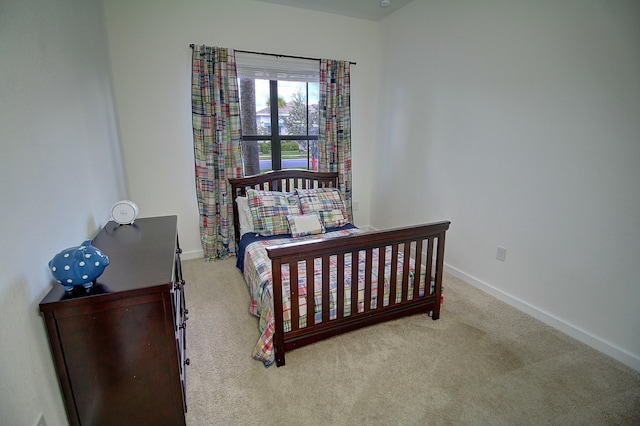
(306,224)
(327,202)
(269,210)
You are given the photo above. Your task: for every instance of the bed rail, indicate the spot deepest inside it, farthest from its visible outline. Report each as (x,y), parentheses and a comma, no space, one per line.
(422,243)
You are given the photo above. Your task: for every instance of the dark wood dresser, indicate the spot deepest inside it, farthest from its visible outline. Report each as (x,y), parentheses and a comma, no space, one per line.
(119,347)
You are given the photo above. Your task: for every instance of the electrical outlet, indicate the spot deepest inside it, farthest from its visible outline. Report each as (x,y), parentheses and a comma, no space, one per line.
(501,253)
(41,421)
(355,205)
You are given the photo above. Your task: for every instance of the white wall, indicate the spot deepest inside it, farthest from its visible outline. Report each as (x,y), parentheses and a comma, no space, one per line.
(149,42)
(60,172)
(519,121)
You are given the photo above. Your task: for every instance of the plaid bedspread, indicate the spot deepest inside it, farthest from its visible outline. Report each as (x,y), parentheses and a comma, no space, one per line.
(257,274)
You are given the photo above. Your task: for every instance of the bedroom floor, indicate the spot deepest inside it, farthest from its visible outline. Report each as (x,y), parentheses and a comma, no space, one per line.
(483,362)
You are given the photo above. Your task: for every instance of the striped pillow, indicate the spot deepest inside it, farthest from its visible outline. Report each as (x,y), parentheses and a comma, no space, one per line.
(327,202)
(270,209)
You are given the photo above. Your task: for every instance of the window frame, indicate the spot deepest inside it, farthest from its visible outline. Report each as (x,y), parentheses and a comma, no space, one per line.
(275,137)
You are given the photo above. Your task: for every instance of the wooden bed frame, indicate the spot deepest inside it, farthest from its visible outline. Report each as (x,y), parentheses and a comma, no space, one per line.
(424,243)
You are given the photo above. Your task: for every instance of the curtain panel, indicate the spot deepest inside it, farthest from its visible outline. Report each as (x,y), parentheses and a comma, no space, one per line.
(334,139)
(217,146)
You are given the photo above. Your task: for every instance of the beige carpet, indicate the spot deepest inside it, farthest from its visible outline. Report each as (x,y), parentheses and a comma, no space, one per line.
(481,363)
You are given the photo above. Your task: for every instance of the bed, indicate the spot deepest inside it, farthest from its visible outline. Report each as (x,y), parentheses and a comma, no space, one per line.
(291,227)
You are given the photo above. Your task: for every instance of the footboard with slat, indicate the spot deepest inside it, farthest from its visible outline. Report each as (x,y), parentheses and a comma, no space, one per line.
(421,249)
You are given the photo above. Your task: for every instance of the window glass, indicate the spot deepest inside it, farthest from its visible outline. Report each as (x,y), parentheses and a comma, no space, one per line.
(279,116)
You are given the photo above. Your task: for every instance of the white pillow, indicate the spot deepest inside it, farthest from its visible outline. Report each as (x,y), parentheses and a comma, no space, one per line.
(306,224)
(244,213)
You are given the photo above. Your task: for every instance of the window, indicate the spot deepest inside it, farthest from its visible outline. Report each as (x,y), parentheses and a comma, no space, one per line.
(279,112)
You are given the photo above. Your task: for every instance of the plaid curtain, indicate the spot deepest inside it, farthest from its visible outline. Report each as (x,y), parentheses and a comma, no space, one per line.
(334,139)
(215,109)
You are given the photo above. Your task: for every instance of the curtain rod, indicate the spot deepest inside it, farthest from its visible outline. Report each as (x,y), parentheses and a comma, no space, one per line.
(277,54)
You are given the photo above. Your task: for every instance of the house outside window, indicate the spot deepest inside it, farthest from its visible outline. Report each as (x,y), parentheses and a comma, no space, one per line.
(279,112)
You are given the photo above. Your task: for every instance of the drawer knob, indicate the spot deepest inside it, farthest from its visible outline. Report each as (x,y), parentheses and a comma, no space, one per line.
(187,361)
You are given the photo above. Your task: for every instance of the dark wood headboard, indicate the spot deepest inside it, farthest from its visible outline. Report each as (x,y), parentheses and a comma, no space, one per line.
(278,180)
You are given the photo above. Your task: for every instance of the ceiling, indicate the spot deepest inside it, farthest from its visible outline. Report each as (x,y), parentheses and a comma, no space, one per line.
(363,9)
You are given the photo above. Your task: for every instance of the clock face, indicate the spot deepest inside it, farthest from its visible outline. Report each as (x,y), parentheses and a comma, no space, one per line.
(124,212)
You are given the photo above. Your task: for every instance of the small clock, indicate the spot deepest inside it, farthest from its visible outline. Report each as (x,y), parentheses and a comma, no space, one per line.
(124,212)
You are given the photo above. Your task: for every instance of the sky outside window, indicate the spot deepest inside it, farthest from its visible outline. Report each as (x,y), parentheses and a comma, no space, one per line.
(285,90)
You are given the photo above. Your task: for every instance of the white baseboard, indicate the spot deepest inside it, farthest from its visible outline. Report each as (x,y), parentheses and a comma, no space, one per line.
(188,255)
(577,333)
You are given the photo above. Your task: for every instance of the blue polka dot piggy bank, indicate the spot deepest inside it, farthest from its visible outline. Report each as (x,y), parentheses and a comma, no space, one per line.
(78,265)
